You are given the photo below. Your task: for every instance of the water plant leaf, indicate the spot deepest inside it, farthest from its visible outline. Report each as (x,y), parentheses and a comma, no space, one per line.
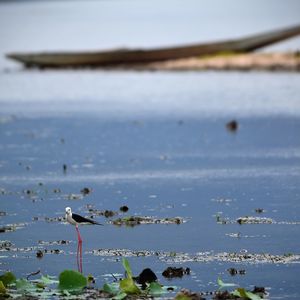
(40,285)
(111,288)
(128,286)
(71,280)
(47,280)
(222,284)
(242,293)
(24,285)
(8,278)
(2,288)
(126,266)
(155,289)
(120,296)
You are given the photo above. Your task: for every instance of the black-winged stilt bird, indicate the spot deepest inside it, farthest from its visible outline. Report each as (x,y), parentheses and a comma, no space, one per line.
(76,220)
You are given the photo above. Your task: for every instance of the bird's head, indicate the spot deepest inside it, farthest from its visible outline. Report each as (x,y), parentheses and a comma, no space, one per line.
(68,211)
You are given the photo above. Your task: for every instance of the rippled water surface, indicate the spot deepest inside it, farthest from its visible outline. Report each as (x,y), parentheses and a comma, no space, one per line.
(156,142)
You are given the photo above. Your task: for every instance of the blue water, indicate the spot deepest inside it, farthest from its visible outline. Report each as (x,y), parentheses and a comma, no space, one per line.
(154,141)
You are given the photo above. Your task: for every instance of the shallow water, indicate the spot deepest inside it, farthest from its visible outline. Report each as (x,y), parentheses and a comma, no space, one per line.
(154,141)
(160,167)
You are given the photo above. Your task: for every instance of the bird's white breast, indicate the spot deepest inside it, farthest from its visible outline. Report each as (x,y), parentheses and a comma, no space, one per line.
(70,219)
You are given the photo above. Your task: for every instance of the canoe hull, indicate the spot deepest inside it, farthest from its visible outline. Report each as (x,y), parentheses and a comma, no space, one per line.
(127,57)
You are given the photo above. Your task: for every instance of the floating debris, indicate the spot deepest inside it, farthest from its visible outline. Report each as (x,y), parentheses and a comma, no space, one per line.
(234,271)
(172,272)
(232,126)
(39,254)
(137,220)
(33,274)
(85,191)
(124,208)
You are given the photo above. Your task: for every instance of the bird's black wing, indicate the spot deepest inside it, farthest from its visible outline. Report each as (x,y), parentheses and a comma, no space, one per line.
(79,219)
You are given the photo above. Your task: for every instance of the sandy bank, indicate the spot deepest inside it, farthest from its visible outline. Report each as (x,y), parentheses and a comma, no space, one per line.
(239,62)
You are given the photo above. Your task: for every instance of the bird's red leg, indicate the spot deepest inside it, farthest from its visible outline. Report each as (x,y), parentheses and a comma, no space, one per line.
(80,256)
(79,250)
(78,235)
(78,267)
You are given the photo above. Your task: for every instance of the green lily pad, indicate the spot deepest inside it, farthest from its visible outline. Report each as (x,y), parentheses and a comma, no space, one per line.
(111,288)
(8,278)
(155,289)
(71,280)
(24,285)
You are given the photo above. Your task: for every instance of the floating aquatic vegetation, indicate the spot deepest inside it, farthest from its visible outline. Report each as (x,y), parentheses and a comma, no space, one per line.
(202,257)
(245,257)
(137,220)
(121,252)
(12,227)
(255,220)
(73,196)
(55,219)
(72,280)
(48,243)
(105,213)
(5,245)
(185,294)
(252,220)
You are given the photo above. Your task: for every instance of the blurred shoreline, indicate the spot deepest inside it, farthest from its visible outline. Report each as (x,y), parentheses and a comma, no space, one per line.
(276,61)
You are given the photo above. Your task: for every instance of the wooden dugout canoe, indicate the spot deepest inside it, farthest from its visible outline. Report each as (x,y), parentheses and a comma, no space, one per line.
(130,57)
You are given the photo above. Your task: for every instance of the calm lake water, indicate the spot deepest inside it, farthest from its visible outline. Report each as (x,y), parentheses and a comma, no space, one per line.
(154,141)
